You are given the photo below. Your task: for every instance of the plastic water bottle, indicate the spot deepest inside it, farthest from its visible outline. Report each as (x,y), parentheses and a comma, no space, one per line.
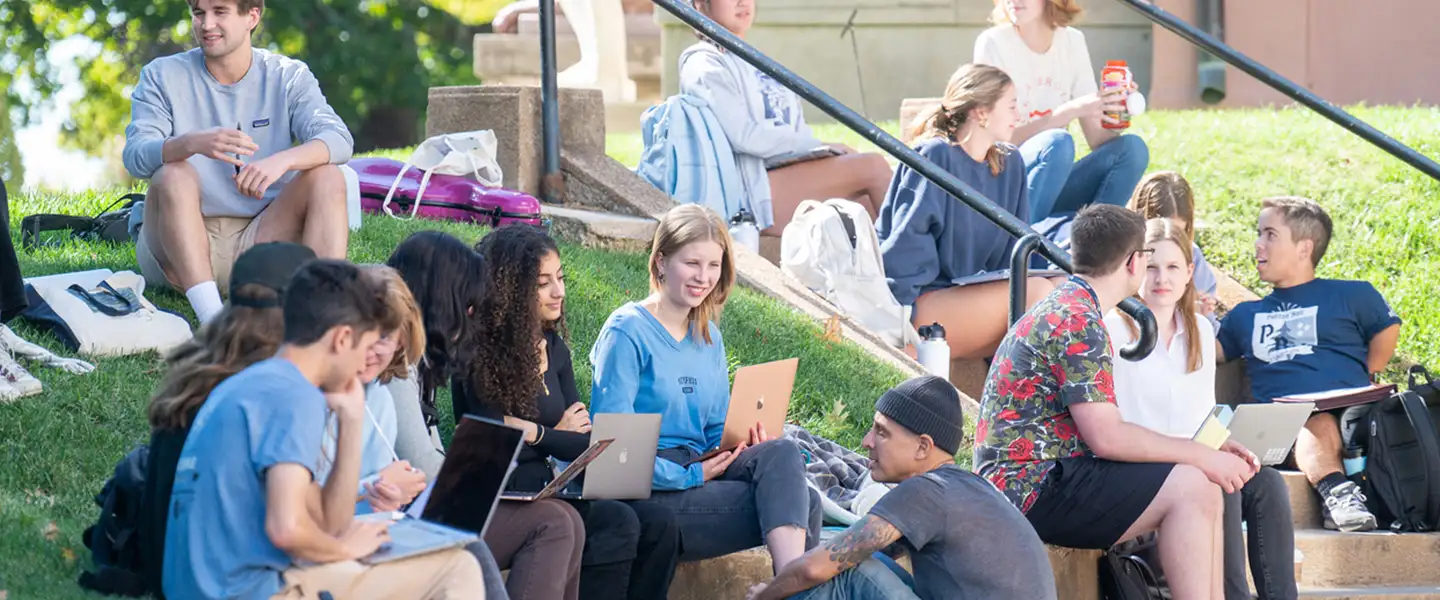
(745,231)
(934,352)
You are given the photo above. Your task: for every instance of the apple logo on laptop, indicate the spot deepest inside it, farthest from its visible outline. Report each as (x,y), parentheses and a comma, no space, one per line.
(760,404)
(624,456)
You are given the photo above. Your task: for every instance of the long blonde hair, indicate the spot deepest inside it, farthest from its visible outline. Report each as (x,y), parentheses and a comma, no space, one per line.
(1061,13)
(1165,230)
(1165,195)
(685,225)
(972,86)
(410,337)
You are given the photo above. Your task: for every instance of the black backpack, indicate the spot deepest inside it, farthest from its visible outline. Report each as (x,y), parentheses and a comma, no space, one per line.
(114,539)
(1429,390)
(1402,466)
(1131,571)
(111,226)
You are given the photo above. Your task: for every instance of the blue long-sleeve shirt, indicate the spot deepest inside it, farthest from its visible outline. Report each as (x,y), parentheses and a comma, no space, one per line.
(640,368)
(928,238)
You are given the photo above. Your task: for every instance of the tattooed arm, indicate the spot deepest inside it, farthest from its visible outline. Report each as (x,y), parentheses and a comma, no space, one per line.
(864,538)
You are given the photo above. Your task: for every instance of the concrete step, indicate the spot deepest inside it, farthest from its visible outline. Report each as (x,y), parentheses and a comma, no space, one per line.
(732,575)
(1339,560)
(600,229)
(500,57)
(1305,509)
(1366,593)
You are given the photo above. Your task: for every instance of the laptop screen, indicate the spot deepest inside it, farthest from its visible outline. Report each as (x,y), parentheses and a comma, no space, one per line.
(475,470)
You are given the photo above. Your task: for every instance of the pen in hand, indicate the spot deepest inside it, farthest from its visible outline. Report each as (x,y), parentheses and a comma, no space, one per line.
(237,154)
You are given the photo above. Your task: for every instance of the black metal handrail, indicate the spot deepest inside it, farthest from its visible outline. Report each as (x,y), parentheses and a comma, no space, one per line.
(552,181)
(1020,273)
(887,143)
(1269,77)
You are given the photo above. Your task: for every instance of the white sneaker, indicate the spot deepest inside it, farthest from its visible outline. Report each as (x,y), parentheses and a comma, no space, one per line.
(17,377)
(1345,509)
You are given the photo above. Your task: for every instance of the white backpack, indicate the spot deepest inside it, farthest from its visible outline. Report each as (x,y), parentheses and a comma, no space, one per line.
(831,247)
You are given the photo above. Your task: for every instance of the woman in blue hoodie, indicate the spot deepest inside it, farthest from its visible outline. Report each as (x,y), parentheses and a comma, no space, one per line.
(931,241)
(664,355)
(763,121)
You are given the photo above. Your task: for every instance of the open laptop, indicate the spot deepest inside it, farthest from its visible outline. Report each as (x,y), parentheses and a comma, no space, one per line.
(456,509)
(556,485)
(1269,430)
(625,471)
(761,395)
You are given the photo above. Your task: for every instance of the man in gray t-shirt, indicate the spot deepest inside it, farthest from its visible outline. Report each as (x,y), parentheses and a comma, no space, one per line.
(964,538)
(240,147)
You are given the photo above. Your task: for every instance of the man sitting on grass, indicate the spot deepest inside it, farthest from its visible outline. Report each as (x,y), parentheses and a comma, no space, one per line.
(245,507)
(963,538)
(215,130)
(1311,335)
(1052,440)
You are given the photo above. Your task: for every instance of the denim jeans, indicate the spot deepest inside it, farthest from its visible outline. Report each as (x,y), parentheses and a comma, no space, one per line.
(763,489)
(1056,183)
(1264,504)
(874,579)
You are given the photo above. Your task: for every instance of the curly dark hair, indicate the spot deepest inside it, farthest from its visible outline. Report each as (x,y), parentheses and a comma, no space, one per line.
(448,279)
(510,326)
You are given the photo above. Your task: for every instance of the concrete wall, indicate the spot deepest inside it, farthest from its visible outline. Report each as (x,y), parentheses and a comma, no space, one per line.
(1375,51)
(907,49)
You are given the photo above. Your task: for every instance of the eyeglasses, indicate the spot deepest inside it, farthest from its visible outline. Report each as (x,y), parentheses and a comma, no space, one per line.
(1143,252)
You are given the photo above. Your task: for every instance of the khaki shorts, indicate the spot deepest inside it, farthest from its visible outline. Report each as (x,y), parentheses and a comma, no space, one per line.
(228,236)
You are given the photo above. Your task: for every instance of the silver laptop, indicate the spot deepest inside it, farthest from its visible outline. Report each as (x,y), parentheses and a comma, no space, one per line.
(456,509)
(557,485)
(1269,430)
(625,471)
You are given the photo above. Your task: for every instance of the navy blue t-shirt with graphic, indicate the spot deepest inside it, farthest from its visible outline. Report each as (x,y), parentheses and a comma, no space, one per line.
(1313,337)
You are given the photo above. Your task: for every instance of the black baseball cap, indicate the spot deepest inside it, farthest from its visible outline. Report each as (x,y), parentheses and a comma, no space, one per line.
(270,265)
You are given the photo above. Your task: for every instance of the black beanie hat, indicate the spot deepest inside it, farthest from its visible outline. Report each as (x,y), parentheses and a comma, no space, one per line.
(926,405)
(270,265)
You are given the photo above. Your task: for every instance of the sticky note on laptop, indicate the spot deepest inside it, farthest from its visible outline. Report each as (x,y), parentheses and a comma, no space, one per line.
(1212,432)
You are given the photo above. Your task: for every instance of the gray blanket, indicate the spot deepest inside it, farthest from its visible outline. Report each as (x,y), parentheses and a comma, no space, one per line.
(839,474)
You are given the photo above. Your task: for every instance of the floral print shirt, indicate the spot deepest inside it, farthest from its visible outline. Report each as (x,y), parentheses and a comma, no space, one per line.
(1057,355)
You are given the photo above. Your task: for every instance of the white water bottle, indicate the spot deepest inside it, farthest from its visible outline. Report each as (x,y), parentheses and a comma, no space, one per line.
(933,352)
(744,230)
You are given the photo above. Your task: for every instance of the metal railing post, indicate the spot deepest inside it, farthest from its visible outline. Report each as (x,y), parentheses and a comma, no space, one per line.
(887,143)
(551,182)
(1020,273)
(1269,77)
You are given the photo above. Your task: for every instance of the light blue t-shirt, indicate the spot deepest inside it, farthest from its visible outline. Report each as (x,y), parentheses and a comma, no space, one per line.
(640,368)
(215,541)
(377,448)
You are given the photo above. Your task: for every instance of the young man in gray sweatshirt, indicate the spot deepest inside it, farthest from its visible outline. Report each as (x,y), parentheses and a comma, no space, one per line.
(240,147)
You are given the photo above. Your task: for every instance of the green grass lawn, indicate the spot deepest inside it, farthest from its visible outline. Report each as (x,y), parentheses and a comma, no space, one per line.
(60,447)
(1386,213)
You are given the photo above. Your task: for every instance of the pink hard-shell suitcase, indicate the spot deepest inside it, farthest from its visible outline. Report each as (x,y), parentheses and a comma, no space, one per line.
(446,197)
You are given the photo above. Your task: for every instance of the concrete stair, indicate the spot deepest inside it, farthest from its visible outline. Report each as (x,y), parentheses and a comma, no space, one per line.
(514,59)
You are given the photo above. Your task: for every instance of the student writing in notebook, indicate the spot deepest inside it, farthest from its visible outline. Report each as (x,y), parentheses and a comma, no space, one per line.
(246,506)
(929,239)
(522,373)
(665,355)
(1172,391)
(1311,335)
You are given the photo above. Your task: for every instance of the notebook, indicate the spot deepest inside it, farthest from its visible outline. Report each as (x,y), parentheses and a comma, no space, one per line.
(1344,398)
(790,158)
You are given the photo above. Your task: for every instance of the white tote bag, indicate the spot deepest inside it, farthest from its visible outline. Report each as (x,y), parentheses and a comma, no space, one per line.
(468,153)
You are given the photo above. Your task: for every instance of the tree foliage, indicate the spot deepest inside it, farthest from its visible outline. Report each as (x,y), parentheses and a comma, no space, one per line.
(375,59)
(12,171)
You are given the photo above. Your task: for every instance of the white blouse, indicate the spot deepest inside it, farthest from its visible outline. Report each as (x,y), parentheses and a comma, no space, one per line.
(1156,392)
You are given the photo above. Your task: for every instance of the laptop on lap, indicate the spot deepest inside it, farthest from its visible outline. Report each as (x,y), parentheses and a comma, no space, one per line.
(625,471)
(572,471)
(456,509)
(1269,430)
(761,395)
